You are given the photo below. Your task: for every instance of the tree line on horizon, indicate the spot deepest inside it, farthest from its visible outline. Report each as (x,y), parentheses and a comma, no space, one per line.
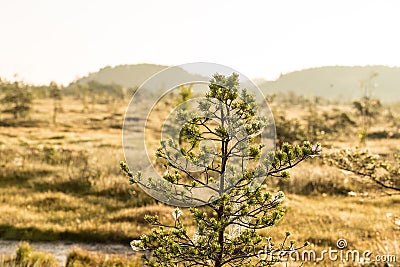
(16,97)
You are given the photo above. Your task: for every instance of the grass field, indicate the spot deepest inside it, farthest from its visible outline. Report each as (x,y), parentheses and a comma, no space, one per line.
(62,182)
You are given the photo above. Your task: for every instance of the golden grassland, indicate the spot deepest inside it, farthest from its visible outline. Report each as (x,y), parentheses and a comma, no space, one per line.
(62,182)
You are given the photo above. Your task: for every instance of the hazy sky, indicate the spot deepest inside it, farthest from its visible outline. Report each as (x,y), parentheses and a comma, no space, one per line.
(46,40)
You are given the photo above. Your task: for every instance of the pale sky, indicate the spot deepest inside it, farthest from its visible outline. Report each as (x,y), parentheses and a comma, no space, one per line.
(46,40)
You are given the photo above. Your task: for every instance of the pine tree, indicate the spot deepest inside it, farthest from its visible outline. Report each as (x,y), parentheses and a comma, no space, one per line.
(17,98)
(56,95)
(226,227)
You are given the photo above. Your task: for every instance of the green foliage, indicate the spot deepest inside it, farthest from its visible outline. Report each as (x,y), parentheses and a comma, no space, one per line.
(185,93)
(17,97)
(226,231)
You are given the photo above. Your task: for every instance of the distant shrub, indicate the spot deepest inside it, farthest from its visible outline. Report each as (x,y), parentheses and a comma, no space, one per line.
(288,130)
(17,97)
(315,126)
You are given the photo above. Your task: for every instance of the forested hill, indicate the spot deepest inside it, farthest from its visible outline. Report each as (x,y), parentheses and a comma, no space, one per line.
(339,82)
(124,75)
(334,82)
(131,76)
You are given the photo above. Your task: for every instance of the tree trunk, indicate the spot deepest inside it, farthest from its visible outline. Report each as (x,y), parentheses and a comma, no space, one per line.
(218,261)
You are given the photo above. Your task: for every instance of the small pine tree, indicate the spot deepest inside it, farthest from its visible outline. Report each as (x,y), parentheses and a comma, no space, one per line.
(226,229)
(367,107)
(55,93)
(17,98)
(185,93)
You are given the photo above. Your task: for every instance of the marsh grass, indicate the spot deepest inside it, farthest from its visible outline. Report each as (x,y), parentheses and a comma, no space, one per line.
(62,182)
(83,258)
(25,257)
(58,183)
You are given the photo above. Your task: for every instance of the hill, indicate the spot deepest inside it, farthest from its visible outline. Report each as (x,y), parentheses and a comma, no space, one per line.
(131,76)
(124,75)
(332,82)
(336,82)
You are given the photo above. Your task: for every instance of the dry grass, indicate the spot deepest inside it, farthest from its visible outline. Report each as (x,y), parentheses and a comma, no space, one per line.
(82,258)
(361,221)
(25,257)
(62,182)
